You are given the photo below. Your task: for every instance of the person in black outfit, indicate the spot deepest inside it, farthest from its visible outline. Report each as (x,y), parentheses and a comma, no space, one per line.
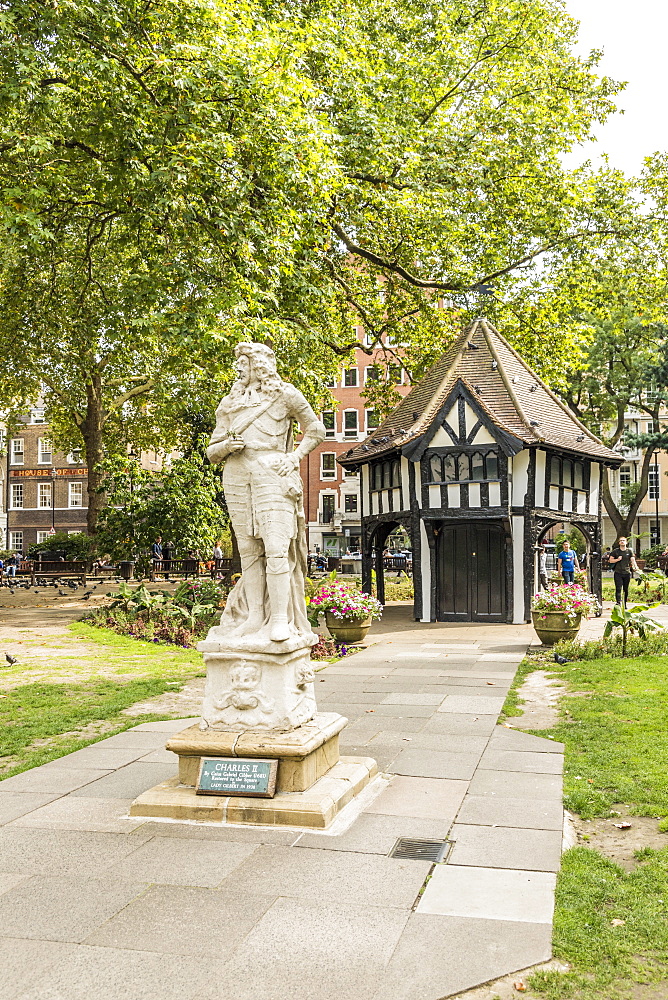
(623,563)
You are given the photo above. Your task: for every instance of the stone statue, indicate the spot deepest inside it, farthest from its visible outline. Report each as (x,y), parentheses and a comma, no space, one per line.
(258,658)
(263,491)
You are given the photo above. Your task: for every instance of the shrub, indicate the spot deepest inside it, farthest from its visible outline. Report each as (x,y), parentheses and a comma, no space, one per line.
(594,649)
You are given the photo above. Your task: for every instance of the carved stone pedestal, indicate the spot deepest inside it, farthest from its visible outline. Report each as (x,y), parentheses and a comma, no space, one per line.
(257,684)
(313,783)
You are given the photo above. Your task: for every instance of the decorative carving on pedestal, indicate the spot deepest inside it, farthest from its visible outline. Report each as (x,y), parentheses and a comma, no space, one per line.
(258,659)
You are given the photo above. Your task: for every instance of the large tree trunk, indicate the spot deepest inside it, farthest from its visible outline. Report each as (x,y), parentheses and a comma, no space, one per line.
(623,523)
(91,431)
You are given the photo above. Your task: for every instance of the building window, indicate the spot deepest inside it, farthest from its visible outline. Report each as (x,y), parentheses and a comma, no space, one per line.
(350,378)
(395,374)
(328,508)
(329,420)
(371,374)
(624,476)
(566,472)
(37,416)
(372,420)
(44,451)
(350,503)
(17,451)
(42,536)
(75,457)
(332,383)
(75,495)
(16,541)
(654,427)
(386,475)
(44,495)
(654,533)
(654,487)
(350,428)
(328,465)
(456,468)
(17,496)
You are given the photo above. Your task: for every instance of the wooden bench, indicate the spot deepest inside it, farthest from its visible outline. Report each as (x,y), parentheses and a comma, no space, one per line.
(173,567)
(54,569)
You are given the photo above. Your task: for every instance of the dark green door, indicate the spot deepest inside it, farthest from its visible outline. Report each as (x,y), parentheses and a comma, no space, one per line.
(471,573)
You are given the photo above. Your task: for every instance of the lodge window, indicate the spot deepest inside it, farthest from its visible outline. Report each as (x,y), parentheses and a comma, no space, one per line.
(566,472)
(459,467)
(329,420)
(385,475)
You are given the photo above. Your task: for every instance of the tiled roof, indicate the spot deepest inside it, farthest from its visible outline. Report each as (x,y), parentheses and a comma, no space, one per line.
(514,398)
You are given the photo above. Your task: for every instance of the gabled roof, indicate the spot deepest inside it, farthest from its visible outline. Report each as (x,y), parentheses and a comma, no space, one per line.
(501,385)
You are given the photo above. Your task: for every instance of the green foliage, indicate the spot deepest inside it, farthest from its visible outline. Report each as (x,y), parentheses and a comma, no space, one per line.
(651,557)
(575,539)
(184,503)
(631,620)
(594,649)
(77,547)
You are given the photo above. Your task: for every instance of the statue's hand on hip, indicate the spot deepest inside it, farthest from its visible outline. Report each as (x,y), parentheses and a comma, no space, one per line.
(286,464)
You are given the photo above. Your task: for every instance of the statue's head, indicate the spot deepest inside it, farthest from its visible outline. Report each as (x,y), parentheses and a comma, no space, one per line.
(258,360)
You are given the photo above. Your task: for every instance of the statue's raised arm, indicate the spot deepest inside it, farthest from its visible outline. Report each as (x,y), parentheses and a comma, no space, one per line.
(263,491)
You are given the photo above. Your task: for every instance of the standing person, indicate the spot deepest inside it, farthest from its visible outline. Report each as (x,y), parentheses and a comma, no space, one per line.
(567,563)
(542,567)
(623,563)
(156,551)
(167,552)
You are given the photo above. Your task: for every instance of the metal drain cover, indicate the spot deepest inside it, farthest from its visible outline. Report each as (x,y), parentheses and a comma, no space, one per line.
(420,850)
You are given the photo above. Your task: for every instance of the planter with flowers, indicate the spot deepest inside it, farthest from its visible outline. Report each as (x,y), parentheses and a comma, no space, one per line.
(557,612)
(348,611)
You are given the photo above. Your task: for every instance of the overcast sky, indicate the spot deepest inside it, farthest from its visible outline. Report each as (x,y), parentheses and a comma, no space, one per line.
(633,34)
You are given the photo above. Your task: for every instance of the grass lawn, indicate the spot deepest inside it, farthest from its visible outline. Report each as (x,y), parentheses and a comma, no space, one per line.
(610,925)
(42,720)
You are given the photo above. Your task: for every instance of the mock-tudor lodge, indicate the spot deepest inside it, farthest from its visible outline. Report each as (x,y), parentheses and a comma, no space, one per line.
(477,463)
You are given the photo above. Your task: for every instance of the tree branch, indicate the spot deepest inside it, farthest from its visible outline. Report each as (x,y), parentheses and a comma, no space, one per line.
(131,393)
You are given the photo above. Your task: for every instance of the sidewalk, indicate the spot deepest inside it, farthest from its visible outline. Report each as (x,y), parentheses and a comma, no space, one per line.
(96,906)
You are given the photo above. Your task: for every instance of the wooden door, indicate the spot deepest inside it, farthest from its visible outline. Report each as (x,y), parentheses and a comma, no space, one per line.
(471,573)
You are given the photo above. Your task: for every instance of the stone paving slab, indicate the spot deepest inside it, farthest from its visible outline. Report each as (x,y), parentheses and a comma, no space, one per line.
(183,920)
(472,704)
(174,862)
(515,784)
(436,764)
(528,761)
(127,782)
(375,834)
(63,908)
(333,876)
(15,804)
(82,813)
(313,951)
(506,847)
(58,780)
(439,956)
(512,739)
(530,814)
(490,893)
(61,852)
(24,962)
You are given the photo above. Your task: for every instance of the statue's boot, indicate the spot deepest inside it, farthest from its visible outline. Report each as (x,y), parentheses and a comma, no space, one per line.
(278,585)
(254,589)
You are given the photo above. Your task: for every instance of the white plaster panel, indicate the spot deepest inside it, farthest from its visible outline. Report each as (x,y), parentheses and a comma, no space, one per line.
(374,503)
(568,499)
(520,477)
(540,478)
(483,437)
(441,439)
(582,503)
(453,418)
(435,496)
(470,418)
(405,492)
(396,499)
(518,570)
(454,495)
(474,495)
(554,498)
(425,574)
(495,494)
(594,486)
(365,499)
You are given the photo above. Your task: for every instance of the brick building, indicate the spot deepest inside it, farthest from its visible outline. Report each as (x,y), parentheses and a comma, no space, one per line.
(44,490)
(331,495)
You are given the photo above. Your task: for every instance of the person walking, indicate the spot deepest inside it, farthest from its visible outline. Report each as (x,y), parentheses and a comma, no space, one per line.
(167,553)
(623,563)
(567,563)
(156,555)
(542,567)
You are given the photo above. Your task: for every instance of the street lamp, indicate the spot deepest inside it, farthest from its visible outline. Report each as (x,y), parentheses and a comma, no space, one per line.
(54,474)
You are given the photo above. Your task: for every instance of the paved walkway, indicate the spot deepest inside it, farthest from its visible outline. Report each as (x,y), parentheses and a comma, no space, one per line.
(96,906)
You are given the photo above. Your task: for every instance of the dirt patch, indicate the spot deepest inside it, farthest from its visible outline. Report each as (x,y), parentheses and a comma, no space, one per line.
(620,845)
(184,703)
(540,693)
(504,988)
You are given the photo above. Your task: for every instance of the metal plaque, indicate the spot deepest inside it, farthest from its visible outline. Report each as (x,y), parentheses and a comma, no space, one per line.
(247,776)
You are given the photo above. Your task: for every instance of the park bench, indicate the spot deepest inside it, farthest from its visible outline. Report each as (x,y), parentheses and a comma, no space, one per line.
(173,567)
(47,569)
(401,564)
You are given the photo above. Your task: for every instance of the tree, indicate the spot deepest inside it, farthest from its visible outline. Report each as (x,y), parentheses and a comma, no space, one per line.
(183,503)
(179,177)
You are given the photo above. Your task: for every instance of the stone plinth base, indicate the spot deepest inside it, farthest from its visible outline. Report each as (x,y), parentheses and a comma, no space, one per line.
(304,755)
(314,808)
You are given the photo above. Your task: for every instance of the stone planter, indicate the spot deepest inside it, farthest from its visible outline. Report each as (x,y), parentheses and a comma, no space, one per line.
(551,626)
(347,629)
